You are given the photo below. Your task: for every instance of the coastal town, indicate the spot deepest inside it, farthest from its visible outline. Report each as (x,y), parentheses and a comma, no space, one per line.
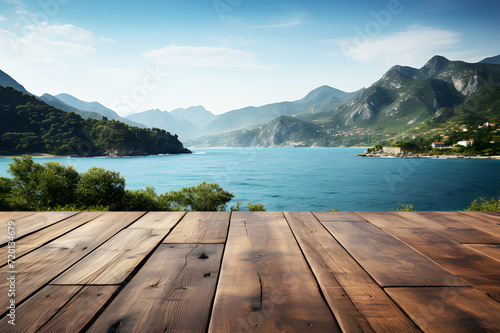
(481,141)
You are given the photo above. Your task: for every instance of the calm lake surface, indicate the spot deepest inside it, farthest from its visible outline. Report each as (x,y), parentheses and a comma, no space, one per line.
(301,179)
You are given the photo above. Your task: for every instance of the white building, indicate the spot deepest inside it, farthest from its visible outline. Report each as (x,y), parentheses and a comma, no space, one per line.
(465,143)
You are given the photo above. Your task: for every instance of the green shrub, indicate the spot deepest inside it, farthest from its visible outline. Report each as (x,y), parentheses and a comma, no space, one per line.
(404,208)
(256,207)
(204,197)
(483,205)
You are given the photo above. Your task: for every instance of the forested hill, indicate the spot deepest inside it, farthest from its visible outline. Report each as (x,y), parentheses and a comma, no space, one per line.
(28,125)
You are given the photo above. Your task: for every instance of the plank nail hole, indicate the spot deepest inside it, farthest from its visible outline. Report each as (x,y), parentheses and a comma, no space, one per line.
(207,275)
(203,256)
(310,324)
(257,325)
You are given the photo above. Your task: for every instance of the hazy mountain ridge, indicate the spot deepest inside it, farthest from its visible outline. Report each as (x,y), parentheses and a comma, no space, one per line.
(283,131)
(196,115)
(164,120)
(321,99)
(96,107)
(7,81)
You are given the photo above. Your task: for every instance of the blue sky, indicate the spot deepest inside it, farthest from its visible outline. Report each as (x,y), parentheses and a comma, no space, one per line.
(227,54)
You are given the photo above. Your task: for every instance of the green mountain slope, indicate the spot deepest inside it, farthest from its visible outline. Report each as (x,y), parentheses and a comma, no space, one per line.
(28,125)
(406,96)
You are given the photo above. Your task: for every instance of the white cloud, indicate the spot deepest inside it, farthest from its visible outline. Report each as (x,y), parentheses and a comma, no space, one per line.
(47,42)
(292,23)
(2,18)
(15,2)
(411,47)
(204,56)
(107,40)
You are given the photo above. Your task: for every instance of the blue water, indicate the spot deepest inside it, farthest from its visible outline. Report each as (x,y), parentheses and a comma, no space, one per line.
(298,179)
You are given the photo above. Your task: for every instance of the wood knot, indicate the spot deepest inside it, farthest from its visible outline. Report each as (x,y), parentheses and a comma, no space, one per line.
(203,256)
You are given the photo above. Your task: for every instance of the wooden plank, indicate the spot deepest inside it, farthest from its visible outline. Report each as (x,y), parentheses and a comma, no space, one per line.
(39,238)
(265,282)
(201,228)
(20,218)
(34,222)
(449,309)
(113,261)
(80,310)
(172,292)
(354,297)
(492,217)
(158,220)
(39,267)
(37,310)
(489,250)
(475,268)
(473,221)
(389,261)
(339,217)
(387,220)
(459,231)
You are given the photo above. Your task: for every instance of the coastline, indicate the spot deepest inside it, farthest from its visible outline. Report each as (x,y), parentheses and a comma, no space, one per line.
(484,157)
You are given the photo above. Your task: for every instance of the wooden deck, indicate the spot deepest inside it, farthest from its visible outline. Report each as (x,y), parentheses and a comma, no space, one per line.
(252,272)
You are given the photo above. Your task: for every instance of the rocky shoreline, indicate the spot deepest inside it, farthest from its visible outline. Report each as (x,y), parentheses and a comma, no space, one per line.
(410,155)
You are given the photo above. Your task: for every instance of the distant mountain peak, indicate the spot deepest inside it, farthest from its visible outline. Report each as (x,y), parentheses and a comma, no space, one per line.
(495,60)
(7,81)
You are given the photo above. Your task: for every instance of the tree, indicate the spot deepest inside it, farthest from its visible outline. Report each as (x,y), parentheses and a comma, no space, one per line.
(6,186)
(100,187)
(204,197)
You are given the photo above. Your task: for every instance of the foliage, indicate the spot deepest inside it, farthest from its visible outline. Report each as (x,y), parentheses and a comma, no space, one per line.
(100,187)
(204,197)
(28,125)
(54,186)
(481,204)
(256,207)
(404,208)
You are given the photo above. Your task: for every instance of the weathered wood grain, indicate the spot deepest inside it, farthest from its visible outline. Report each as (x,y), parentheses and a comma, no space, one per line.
(173,292)
(354,297)
(449,309)
(158,220)
(339,217)
(472,222)
(489,250)
(80,310)
(389,261)
(468,232)
(492,217)
(39,238)
(39,267)
(201,228)
(37,310)
(113,261)
(265,282)
(479,270)
(27,223)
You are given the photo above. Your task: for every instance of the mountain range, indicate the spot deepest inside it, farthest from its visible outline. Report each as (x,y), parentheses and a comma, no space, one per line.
(403,99)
